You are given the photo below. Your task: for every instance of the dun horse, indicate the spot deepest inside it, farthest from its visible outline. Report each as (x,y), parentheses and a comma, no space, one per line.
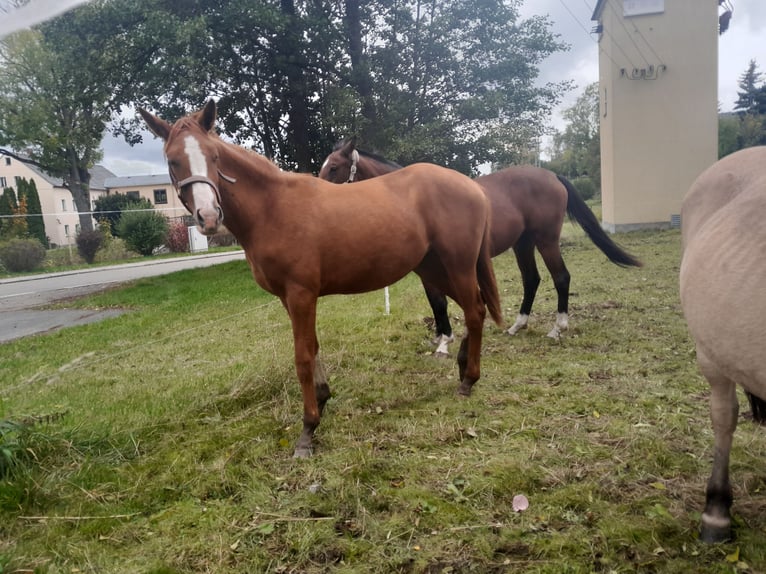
(528,206)
(304,238)
(722,278)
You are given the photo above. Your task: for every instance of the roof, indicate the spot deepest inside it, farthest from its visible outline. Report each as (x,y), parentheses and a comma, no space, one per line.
(98,174)
(136,181)
(598,9)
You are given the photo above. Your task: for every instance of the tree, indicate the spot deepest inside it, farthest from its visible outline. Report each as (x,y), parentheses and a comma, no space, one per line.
(110,207)
(748,95)
(62,83)
(577,149)
(27,190)
(8,208)
(456,81)
(452,82)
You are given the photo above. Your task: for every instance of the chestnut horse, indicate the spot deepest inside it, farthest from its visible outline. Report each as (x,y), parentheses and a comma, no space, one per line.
(304,238)
(722,279)
(528,206)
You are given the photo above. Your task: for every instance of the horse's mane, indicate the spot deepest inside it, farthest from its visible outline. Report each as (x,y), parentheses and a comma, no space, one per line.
(370,155)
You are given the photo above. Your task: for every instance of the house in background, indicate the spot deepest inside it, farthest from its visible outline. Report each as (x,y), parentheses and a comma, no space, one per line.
(158,189)
(62,220)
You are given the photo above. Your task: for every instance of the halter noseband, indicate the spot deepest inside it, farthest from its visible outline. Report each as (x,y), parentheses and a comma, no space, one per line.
(179,185)
(352,171)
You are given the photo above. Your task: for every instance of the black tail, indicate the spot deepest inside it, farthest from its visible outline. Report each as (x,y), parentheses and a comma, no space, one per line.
(758,406)
(581,213)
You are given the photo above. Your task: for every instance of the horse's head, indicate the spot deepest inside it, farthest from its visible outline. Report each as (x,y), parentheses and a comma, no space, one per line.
(341,165)
(191,150)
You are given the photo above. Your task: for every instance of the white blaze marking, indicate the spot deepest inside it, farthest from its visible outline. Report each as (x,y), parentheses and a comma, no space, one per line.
(201,192)
(325,163)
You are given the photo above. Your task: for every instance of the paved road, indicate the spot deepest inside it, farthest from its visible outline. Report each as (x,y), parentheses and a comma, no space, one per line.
(20,296)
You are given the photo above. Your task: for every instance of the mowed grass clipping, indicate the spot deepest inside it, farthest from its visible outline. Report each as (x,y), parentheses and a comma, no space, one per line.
(161,441)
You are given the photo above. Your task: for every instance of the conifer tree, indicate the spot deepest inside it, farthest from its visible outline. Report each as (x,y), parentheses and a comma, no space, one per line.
(35,223)
(8,207)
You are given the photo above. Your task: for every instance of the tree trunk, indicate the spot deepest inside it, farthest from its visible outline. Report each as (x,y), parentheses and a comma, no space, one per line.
(296,98)
(360,70)
(79,186)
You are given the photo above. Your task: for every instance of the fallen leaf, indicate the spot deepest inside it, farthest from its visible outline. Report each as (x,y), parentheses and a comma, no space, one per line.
(520,503)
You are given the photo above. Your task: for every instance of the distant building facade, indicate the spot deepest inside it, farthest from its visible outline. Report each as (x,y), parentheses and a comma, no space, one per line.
(158,189)
(658,92)
(62,220)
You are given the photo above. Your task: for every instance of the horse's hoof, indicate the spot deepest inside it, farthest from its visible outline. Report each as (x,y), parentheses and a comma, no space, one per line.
(554,334)
(302,452)
(515,329)
(715,533)
(464,390)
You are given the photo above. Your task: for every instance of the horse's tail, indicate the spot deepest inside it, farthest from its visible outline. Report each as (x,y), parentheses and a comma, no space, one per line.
(758,407)
(579,211)
(487,282)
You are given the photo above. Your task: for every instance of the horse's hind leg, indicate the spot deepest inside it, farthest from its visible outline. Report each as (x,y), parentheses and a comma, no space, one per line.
(469,355)
(551,254)
(438,302)
(724,408)
(530,279)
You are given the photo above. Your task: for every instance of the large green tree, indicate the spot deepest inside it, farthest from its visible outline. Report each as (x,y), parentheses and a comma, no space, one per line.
(452,82)
(576,151)
(63,82)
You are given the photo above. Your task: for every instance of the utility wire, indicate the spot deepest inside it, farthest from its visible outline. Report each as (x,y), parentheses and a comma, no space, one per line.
(591,37)
(630,36)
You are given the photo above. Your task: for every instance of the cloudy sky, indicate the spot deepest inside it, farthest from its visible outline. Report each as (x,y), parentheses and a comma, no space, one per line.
(744,41)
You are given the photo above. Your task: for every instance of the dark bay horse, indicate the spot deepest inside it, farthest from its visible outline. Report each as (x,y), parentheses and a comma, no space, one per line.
(304,238)
(528,207)
(723,295)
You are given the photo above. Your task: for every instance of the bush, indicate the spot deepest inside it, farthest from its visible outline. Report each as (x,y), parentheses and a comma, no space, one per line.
(585,186)
(223,238)
(109,209)
(22,255)
(177,239)
(88,242)
(142,231)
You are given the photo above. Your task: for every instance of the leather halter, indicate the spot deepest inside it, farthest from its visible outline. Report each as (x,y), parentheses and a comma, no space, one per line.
(179,185)
(352,171)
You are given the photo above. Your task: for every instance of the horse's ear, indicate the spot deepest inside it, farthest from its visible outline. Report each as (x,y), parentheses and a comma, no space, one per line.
(207,118)
(157,126)
(348,147)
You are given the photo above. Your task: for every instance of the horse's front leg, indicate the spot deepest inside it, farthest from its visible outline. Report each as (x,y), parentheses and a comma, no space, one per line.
(311,375)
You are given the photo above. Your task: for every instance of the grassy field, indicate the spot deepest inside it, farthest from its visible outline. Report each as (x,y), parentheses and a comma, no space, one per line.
(161,441)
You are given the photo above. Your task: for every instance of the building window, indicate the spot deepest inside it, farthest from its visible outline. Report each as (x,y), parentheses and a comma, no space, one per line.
(160,196)
(66,230)
(3,182)
(63,205)
(7,161)
(77,228)
(133,195)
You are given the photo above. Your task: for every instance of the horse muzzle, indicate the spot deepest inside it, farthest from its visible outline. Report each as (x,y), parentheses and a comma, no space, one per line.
(209,220)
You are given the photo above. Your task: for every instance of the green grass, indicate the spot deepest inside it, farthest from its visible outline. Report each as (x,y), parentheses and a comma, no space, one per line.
(161,441)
